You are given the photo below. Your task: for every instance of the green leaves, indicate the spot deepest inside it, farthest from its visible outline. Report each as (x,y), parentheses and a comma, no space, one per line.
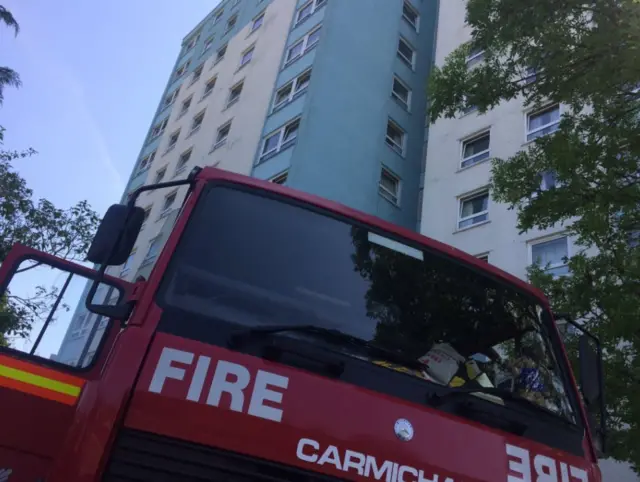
(586,57)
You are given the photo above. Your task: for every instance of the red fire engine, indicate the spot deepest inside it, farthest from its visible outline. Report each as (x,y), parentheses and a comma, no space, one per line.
(283,337)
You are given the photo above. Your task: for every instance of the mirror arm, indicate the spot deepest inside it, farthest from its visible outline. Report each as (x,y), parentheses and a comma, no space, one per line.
(596,340)
(122,312)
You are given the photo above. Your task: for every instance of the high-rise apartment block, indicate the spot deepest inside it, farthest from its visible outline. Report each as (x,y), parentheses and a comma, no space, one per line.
(326,96)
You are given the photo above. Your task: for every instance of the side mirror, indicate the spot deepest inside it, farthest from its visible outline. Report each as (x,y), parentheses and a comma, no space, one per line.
(589,371)
(116,235)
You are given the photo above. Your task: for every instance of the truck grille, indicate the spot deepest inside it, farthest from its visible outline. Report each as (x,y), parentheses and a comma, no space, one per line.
(146,457)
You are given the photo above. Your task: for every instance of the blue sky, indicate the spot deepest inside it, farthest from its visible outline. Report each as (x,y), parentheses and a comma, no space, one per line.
(93,73)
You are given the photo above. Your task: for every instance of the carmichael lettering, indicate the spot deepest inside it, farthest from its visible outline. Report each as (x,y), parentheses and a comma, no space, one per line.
(311,451)
(228,377)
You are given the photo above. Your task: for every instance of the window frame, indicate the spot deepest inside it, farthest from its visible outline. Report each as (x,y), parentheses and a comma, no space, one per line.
(415,25)
(470,139)
(147,257)
(173,96)
(396,97)
(531,113)
(281,144)
(393,198)
(164,212)
(147,161)
(223,49)
(260,18)
(411,63)
(157,176)
(294,89)
(196,74)
(231,25)
(305,45)
(315,6)
(182,70)
(171,143)
(208,43)
(181,168)
(163,123)
(475,57)
(220,142)
(248,51)
(547,239)
(207,91)
(200,115)
(469,197)
(282,176)
(391,143)
(187,101)
(230,100)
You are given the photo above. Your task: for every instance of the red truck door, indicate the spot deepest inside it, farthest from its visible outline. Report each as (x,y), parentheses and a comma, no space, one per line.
(49,353)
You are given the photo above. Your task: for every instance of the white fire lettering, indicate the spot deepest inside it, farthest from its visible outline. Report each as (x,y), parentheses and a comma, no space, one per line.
(310,451)
(523,467)
(228,377)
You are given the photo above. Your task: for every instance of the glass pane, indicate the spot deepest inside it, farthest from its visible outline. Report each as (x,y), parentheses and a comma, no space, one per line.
(43,313)
(474,205)
(313,38)
(294,51)
(550,252)
(475,146)
(271,143)
(299,266)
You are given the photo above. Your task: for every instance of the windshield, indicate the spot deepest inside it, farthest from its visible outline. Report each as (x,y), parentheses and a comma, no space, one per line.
(255,261)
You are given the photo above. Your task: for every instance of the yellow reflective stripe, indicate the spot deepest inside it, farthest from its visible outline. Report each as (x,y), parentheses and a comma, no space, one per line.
(39,381)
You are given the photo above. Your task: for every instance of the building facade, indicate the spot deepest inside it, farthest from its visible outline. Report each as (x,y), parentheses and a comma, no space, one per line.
(457,208)
(292,91)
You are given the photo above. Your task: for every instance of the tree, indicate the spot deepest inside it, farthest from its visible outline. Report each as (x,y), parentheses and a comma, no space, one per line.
(65,233)
(585,56)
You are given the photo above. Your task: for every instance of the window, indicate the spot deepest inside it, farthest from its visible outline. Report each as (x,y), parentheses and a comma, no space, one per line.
(257,22)
(410,14)
(222,135)
(280,178)
(185,105)
(287,92)
(159,128)
(308,9)
(182,161)
(146,161)
(218,16)
(170,99)
(147,212)
(551,255)
(197,122)
(475,149)
(476,56)
(401,92)
(197,73)
(153,250)
(192,42)
(246,57)
(208,88)
(543,122)
(549,180)
(468,108)
(220,54)
(160,175)
(168,204)
(483,257)
(183,69)
(474,209)
(395,137)
(234,93)
(231,23)
(406,52)
(389,186)
(208,43)
(303,45)
(173,140)
(280,139)
(530,75)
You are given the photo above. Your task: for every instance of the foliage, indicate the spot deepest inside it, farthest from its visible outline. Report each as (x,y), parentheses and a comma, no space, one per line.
(585,56)
(39,224)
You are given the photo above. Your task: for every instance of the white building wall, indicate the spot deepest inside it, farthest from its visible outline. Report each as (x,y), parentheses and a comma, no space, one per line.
(236,154)
(445,182)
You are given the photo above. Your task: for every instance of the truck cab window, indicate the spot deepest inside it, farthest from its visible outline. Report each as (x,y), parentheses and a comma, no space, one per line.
(40,315)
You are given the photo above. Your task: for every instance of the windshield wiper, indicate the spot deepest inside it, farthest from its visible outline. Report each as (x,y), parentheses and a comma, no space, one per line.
(436,400)
(328,334)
